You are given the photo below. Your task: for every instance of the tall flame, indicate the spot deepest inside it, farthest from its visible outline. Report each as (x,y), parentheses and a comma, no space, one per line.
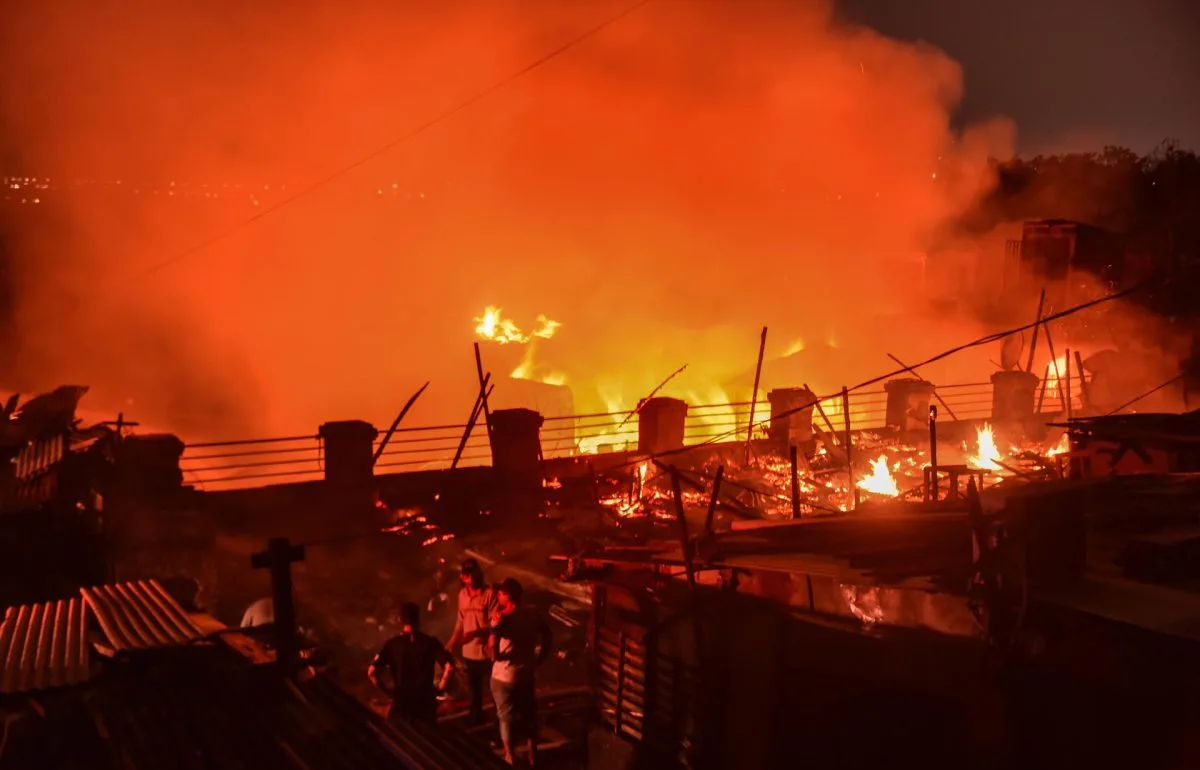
(987,455)
(880,481)
(494,327)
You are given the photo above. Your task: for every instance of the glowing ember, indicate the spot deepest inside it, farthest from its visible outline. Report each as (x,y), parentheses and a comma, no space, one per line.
(880,481)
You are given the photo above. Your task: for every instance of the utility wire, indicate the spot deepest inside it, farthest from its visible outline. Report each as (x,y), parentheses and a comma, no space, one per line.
(986,340)
(1147,394)
(384,149)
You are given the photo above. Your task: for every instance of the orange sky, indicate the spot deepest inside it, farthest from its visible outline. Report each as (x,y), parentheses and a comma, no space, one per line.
(695,171)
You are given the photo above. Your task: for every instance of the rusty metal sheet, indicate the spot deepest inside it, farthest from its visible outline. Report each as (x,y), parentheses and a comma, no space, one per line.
(44,646)
(140,615)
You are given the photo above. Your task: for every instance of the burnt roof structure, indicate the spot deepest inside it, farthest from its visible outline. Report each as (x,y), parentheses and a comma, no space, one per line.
(179,690)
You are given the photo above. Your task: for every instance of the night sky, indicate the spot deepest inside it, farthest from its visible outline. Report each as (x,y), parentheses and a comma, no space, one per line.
(1073,74)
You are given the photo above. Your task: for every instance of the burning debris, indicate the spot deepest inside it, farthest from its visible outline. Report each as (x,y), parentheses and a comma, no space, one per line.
(890,469)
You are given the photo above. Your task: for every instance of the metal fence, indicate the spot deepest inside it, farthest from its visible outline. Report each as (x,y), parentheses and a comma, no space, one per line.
(254,462)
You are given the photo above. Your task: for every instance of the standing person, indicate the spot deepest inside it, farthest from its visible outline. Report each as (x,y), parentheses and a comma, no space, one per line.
(410,659)
(520,642)
(477,610)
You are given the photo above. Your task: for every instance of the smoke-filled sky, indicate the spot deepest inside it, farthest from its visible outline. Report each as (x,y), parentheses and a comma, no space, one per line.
(695,171)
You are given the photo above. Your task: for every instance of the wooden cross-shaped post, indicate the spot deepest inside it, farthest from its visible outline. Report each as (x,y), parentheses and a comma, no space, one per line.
(120,424)
(278,558)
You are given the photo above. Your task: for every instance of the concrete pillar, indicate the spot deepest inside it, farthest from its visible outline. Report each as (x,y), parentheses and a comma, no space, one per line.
(796,427)
(1014,397)
(517,441)
(349,452)
(908,404)
(660,425)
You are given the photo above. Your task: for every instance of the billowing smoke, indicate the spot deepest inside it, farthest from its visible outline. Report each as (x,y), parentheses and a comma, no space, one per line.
(694,171)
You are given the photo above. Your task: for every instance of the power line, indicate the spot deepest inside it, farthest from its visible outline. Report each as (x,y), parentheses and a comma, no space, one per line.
(1147,394)
(386,148)
(986,340)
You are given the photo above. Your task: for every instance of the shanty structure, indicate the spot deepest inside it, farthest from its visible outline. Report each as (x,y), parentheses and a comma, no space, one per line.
(122,676)
(1026,631)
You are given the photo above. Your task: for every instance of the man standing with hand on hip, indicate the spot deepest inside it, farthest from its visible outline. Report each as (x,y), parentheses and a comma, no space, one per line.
(477,612)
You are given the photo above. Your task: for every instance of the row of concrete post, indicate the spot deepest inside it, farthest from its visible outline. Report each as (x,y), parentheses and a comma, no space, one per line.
(515,434)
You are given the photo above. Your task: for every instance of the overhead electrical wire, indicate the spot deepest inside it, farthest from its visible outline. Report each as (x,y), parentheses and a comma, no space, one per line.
(986,340)
(442,117)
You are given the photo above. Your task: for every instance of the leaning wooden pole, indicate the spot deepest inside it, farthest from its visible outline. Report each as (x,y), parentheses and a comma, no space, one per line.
(396,424)
(1042,392)
(936,395)
(762,348)
(480,399)
(487,412)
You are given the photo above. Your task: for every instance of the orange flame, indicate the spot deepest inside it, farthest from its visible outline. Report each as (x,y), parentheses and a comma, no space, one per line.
(494,327)
(987,454)
(1063,446)
(880,480)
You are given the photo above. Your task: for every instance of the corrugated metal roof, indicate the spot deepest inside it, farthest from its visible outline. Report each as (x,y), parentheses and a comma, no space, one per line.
(35,474)
(140,615)
(43,646)
(203,706)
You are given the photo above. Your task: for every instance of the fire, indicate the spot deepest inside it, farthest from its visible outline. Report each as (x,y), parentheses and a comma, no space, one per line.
(880,481)
(987,455)
(614,434)
(528,369)
(1063,446)
(494,327)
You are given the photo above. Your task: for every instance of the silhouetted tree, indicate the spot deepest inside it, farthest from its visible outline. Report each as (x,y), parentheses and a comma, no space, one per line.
(1155,198)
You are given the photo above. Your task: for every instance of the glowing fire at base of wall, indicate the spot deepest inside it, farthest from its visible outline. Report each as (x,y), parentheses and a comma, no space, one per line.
(764,485)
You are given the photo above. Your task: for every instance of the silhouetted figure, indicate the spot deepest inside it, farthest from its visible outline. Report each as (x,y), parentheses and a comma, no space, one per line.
(410,660)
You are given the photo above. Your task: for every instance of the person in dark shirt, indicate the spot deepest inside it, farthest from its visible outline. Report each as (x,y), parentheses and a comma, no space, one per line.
(410,660)
(519,643)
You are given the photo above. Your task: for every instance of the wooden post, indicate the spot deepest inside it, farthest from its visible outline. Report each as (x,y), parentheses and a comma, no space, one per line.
(120,424)
(1037,325)
(849,443)
(820,411)
(487,412)
(396,424)
(1054,363)
(480,400)
(681,518)
(933,458)
(1067,397)
(712,501)
(278,559)
(1084,396)
(1042,392)
(762,348)
(793,455)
